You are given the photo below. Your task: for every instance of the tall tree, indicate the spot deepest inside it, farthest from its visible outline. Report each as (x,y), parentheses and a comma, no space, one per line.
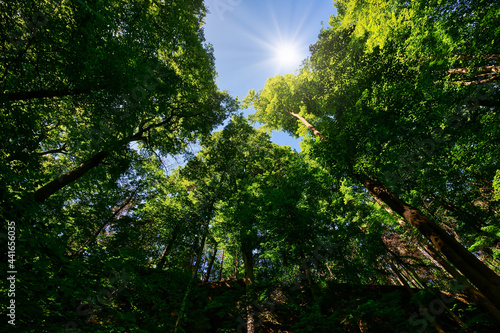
(117,74)
(365,132)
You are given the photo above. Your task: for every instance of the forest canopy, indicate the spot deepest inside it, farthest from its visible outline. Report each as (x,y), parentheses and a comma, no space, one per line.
(388,220)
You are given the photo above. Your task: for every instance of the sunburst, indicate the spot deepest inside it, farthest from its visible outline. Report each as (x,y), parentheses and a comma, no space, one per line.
(287,55)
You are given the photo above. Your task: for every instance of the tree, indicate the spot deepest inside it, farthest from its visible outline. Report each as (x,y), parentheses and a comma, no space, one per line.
(136,84)
(364,137)
(92,95)
(392,200)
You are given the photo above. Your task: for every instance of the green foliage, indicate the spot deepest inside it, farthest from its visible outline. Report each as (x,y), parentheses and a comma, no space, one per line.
(97,95)
(496,185)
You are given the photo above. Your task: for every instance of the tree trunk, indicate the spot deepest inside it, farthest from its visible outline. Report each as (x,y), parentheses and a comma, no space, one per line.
(235,272)
(249,278)
(168,248)
(248,266)
(486,281)
(203,261)
(476,271)
(484,69)
(210,264)
(308,125)
(424,286)
(307,275)
(483,81)
(330,271)
(476,295)
(47,190)
(221,265)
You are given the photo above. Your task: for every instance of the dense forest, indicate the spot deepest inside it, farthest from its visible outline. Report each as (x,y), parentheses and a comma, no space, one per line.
(388,220)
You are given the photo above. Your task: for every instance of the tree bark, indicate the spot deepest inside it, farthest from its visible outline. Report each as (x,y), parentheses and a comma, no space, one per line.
(487,281)
(484,69)
(330,271)
(308,125)
(476,295)
(235,272)
(210,264)
(47,190)
(221,265)
(168,248)
(249,278)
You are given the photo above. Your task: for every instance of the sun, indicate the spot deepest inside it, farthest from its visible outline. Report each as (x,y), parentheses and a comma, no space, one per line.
(287,55)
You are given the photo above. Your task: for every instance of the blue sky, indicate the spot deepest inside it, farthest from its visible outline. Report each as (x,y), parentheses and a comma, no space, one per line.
(248,35)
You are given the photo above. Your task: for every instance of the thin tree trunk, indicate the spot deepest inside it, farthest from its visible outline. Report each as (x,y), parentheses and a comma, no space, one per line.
(414,275)
(476,296)
(235,274)
(168,248)
(307,275)
(399,277)
(424,286)
(406,273)
(210,205)
(210,264)
(249,278)
(410,277)
(434,254)
(330,271)
(477,83)
(221,265)
(204,260)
